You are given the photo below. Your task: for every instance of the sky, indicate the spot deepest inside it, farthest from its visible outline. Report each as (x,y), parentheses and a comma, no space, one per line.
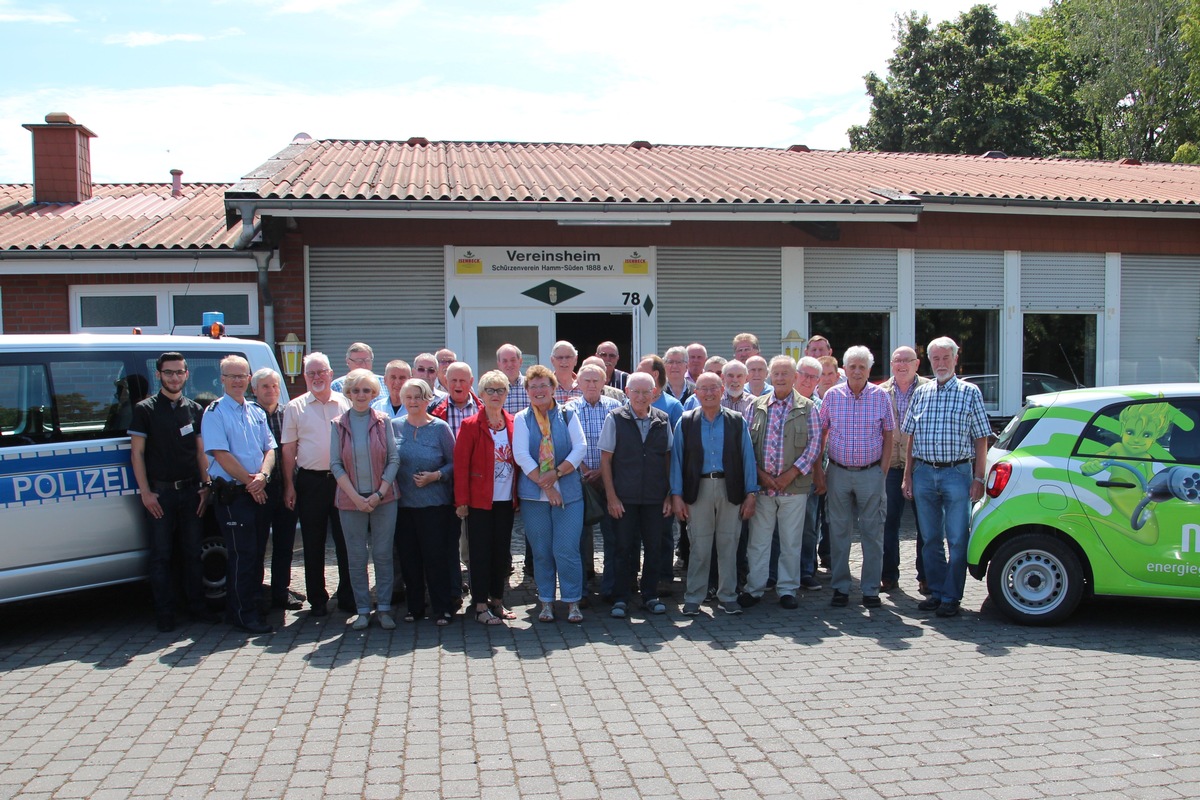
(216,87)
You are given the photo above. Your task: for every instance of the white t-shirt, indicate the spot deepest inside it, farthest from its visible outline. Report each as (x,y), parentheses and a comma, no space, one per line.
(502,482)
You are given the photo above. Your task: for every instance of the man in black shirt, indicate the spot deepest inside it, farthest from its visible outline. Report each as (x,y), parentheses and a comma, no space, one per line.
(171,471)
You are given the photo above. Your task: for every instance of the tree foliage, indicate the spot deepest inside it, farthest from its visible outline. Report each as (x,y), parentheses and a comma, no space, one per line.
(967,86)
(1101,79)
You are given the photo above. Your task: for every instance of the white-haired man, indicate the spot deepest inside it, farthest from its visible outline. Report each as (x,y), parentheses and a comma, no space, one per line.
(900,387)
(787,447)
(856,424)
(358,356)
(509,360)
(948,432)
(309,486)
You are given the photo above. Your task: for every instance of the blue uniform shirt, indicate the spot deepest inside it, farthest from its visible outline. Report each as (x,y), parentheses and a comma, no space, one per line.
(240,428)
(671,406)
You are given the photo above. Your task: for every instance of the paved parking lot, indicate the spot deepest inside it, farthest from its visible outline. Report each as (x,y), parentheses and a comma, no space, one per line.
(813,703)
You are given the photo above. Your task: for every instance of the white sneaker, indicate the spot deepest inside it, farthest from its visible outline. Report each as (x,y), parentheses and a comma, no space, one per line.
(386,621)
(361,622)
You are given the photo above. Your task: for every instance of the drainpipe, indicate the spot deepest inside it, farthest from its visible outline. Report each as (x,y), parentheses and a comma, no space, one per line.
(262,258)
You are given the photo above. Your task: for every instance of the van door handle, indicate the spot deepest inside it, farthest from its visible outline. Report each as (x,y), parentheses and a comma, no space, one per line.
(1115,484)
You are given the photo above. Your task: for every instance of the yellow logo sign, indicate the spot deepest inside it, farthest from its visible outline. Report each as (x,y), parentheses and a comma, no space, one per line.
(636,264)
(469,264)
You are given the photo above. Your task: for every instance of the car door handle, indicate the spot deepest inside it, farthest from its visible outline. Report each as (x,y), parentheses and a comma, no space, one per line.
(1115,484)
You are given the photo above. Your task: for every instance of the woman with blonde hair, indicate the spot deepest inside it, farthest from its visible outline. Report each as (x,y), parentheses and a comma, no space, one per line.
(484,491)
(548,446)
(363,460)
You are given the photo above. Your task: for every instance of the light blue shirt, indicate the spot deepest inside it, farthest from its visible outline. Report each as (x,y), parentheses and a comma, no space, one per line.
(239,428)
(712,437)
(669,404)
(384,403)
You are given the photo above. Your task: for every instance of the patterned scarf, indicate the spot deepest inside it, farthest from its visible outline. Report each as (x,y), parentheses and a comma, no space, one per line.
(546,445)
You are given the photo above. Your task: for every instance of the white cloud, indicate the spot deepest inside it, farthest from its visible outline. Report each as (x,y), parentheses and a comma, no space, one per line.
(42,15)
(150,39)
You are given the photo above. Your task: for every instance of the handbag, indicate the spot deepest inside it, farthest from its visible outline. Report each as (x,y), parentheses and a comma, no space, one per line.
(593,504)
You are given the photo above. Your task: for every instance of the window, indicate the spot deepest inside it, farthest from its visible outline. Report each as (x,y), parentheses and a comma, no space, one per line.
(66,398)
(1062,346)
(846,329)
(163,308)
(1166,431)
(977,332)
(204,376)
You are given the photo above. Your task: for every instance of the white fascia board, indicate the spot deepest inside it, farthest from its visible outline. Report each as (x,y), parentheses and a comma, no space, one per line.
(610,217)
(85,263)
(1074,210)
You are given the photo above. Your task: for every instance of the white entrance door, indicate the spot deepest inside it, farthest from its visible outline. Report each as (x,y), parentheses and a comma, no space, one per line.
(485,329)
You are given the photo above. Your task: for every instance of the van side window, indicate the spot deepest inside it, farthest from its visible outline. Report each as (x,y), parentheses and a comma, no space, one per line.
(204,377)
(25,413)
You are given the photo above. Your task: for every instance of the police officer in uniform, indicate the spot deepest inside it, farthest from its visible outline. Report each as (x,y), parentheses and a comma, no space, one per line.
(239,442)
(171,471)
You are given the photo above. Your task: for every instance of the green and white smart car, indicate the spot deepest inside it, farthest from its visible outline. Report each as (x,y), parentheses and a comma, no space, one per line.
(1092,492)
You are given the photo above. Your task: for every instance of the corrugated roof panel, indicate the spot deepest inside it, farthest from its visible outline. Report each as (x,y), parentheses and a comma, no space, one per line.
(117,216)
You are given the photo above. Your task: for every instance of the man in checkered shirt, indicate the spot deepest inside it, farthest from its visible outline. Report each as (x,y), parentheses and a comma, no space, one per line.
(856,424)
(943,472)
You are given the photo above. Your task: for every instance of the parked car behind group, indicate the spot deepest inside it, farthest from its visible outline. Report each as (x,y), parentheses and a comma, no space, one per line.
(1092,492)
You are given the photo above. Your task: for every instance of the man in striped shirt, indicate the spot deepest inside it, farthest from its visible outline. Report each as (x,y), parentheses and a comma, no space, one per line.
(943,472)
(856,425)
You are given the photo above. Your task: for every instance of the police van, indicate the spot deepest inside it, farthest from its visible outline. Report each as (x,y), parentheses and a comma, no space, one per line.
(72,518)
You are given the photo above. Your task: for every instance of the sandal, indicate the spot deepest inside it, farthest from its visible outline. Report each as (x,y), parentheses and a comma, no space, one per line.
(573,613)
(500,611)
(443,619)
(486,617)
(412,616)
(547,614)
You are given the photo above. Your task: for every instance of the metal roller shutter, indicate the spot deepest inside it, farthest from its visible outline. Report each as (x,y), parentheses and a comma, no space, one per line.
(959,279)
(709,295)
(849,279)
(1062,281)
(1160,318)
(391,298)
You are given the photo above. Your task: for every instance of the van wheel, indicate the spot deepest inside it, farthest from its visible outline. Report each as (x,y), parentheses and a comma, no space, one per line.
(1036,579)
(214,561)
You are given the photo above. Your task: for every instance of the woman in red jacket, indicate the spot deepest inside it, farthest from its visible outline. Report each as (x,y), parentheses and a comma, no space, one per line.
(484,488)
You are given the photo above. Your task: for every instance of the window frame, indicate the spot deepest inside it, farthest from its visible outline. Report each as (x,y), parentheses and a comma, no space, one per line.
(164,294)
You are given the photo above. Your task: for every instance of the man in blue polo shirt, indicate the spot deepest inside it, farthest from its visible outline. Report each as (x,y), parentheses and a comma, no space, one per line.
(239,443)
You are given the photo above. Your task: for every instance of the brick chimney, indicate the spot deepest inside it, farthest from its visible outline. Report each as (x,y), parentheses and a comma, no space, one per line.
(62,160)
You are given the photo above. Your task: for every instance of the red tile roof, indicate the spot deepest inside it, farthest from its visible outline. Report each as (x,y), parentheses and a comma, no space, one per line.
(575,173)
(118,217)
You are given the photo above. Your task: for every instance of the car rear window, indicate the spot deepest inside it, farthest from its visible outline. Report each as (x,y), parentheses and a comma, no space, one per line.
(1016,430)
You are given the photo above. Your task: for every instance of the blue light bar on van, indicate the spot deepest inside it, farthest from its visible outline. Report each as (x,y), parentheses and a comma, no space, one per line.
(212,324)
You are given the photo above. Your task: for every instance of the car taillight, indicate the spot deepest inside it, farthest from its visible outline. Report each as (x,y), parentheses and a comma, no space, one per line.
(998,478)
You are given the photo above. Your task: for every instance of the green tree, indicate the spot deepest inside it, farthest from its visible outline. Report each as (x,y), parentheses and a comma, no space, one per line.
(1137,81)
(969,85)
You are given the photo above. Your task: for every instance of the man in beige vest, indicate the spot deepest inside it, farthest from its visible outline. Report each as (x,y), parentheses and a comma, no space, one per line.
(900,387)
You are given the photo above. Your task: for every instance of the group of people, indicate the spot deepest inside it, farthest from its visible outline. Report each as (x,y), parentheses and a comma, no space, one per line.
(763,466)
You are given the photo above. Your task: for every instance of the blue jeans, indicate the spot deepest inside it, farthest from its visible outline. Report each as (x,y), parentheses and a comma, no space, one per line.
(943,498)
(891,529)
(553,534)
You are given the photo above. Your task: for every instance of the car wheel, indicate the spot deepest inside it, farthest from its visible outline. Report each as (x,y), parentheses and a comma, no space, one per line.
(214,561)
(1036,579)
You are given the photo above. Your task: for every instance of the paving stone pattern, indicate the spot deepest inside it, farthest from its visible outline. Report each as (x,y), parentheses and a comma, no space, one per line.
(813,703)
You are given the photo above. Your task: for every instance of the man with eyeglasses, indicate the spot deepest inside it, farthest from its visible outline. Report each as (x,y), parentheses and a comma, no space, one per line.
(593,407)
(455,407)
(425,367)
(657,368)
(171,471)
(563,358)
(900,388)
(808,375)
(678,384)
(309,486)
(359,356)
(239,443)
(608,353)
(713,481)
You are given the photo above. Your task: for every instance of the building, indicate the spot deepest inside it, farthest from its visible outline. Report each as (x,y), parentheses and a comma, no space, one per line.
(1033,265)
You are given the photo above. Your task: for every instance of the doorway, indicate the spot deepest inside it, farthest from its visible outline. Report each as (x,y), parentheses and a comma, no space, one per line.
(587,330)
